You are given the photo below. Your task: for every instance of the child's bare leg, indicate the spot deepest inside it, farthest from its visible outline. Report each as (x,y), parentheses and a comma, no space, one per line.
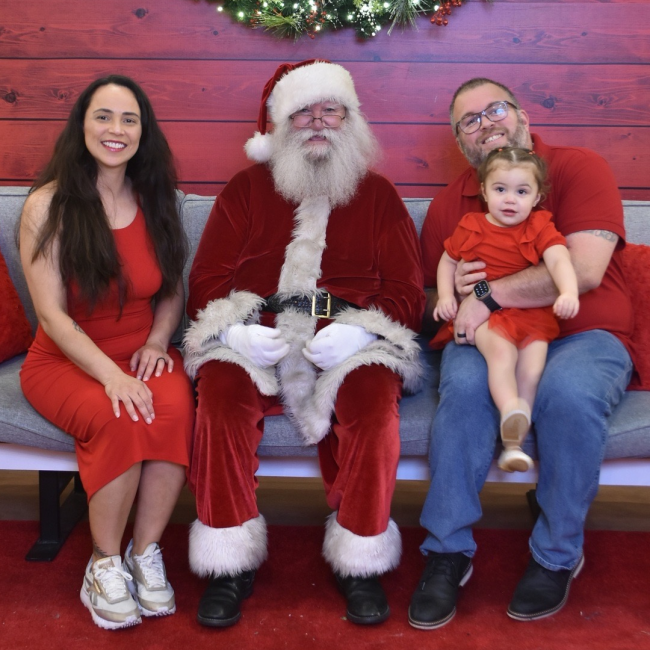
(530,367)
(502,358)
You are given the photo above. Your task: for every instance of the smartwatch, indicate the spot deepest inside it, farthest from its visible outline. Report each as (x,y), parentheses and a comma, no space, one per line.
(483,292)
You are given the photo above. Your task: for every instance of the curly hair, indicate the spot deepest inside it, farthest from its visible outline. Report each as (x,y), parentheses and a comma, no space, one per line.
(77,219)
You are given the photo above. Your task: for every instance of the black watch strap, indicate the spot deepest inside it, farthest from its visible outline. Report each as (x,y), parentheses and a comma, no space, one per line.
(491,303)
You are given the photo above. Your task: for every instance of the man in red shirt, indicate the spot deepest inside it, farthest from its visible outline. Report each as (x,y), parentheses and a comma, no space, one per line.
(587,370)
(305,294)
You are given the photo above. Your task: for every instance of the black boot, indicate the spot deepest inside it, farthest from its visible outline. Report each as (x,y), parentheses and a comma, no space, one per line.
(434,602)
(366,599)
(220,605)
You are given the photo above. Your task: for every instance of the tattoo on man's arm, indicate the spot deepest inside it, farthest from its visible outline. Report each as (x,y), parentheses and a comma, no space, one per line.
(77,327)
(605,234)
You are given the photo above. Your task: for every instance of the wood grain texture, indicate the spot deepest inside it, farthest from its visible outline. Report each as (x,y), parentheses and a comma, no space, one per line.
(413,154)
(566,32)
(581,69)
(404,92)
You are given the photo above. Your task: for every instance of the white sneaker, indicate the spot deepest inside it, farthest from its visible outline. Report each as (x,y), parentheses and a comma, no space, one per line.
(514,460)
(150,586)
(105,594)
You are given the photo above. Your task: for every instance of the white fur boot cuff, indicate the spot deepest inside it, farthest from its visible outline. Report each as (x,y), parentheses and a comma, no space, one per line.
(353,555)
(227,551)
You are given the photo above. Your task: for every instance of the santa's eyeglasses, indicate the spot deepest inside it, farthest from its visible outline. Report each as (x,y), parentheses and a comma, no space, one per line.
(305,120)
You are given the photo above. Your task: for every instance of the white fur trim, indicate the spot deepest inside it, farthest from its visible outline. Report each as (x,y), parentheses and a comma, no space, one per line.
(353,555)
(397,340)
(297,375)
(201,342)
(299,275)
(309,85)
(227,551)
(302,258)
(397,350)
(260,147)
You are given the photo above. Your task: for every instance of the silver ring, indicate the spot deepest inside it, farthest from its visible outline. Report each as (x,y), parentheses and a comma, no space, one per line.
(461,336)
(161,359)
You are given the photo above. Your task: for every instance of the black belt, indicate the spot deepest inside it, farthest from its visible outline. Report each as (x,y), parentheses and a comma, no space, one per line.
(322,305)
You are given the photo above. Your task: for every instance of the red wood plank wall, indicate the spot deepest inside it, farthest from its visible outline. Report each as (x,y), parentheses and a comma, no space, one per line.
(580,68)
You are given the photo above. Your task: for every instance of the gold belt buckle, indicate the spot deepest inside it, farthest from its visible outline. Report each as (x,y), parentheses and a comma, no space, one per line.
(329,306)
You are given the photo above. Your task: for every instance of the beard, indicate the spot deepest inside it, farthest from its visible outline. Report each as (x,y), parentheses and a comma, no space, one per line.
(303,170)
(476,155)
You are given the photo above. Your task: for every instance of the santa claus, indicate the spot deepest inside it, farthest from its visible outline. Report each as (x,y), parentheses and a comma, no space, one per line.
(305,295)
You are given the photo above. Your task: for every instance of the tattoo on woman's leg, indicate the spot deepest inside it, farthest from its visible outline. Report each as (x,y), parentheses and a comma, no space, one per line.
(97,551)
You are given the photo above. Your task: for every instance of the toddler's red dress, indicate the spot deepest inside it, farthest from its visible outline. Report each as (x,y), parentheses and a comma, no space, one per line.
(505,251)
(77,403)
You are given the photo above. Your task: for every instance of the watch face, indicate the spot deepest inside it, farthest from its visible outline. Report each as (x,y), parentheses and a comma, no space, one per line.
(481,289)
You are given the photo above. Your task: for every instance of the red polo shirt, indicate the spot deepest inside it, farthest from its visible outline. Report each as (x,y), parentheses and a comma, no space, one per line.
(584,196)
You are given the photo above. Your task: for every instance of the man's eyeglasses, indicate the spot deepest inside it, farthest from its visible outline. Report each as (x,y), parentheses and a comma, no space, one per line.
(494,112)
(304,120)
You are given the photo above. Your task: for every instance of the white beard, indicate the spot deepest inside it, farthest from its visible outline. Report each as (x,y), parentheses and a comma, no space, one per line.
(302,170)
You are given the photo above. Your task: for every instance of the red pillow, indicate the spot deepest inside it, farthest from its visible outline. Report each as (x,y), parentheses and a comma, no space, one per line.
(636,270)
(15,330)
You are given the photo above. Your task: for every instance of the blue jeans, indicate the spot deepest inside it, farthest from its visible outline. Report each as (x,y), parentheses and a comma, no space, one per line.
(584,379)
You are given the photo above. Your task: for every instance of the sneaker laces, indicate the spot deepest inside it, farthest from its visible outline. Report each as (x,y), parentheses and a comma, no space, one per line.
(152,567)
(112,581)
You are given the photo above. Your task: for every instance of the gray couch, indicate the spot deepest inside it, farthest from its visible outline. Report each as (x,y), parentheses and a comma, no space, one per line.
(34,443)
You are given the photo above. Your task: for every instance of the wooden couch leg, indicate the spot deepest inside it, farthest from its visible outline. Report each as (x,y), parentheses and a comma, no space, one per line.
(56,519)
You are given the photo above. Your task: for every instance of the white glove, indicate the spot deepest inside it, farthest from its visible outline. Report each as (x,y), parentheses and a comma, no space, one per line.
(261,345)
(335,343)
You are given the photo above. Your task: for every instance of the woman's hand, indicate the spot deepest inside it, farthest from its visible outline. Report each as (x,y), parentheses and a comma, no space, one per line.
(133,393)
(149,359)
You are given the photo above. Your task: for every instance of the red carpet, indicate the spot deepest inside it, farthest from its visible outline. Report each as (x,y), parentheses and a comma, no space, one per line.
(296,604)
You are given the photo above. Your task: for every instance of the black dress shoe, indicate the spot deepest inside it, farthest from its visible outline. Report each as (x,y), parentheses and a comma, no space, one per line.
(366,599)
(434,602)
(542,592)
(220,605)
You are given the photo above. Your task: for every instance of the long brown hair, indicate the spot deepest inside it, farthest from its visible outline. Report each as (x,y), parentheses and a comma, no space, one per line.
(87,253)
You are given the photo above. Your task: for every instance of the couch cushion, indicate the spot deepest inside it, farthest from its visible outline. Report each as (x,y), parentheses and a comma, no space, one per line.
(11,205)
(636,268)
(15,330)
(19,422)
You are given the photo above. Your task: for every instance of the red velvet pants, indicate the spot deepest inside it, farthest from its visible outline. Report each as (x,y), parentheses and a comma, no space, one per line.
(358,458)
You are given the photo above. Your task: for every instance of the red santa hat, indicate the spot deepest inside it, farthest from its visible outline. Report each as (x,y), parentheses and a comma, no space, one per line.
(294,86)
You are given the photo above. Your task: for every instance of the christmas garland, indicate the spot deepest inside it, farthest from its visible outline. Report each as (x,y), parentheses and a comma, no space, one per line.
(294,18)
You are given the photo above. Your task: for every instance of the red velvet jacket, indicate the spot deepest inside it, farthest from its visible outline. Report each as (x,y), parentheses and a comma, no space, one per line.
(372,256)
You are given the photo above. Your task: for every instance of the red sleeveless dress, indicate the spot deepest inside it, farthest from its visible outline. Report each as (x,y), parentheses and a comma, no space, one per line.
(63,393)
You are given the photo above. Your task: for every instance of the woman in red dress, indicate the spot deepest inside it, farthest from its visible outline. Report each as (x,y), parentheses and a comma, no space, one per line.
(509,238)
(103,250)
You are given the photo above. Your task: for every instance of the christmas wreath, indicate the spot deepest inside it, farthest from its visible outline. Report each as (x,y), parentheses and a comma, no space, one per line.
(294,18)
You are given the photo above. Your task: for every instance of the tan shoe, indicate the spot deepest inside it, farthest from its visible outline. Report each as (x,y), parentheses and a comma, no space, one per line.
(150,586)
(515,423)
(105,593)
(514,460)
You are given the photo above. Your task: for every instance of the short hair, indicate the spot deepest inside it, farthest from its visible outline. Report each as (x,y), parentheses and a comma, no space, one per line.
(475,83)
(516,157)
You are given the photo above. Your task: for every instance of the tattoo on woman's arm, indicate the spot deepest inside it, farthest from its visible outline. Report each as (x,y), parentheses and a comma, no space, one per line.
(605,234)
(77,327)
